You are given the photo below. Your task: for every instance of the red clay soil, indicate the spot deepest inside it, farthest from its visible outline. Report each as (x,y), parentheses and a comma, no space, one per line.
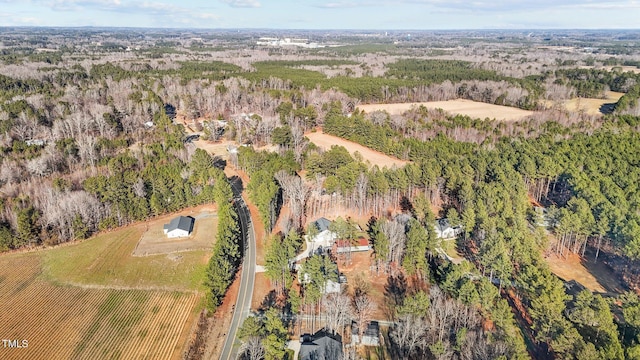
(221,320)
(361,265)
(222,317)
(284,214)
(261,290)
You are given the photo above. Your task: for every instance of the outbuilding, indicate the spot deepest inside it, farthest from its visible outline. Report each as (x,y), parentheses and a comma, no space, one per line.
(181,226)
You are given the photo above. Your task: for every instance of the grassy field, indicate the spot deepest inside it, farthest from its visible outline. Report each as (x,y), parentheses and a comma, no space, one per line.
(325,141)
(94,300)
(107,261)
(154,242)
(592,106)
(470,108)
(595,276)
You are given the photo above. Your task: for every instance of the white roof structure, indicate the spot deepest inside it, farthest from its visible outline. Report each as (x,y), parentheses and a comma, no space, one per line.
(181,226)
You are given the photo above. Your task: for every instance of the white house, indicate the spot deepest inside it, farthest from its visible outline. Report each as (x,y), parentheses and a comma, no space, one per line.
(181,226)
(445,231)
(330,286)
(541,217)
(325,237)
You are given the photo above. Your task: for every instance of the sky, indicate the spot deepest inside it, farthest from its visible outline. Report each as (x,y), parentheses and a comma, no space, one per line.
(335,14)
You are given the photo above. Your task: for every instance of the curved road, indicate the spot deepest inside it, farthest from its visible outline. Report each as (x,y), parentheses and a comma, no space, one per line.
(247,277)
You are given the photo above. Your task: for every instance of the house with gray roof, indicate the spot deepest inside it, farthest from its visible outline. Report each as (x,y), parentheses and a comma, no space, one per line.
(320,346)
(181,226)
(325,237)
(444,230)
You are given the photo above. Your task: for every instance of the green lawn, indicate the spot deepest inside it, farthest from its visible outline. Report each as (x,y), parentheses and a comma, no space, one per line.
(106,260)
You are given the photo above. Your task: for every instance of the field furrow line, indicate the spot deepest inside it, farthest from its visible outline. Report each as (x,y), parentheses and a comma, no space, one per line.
(165,333)
(146,348)
(86,310)
(182,325)
(122,321)
(97,327)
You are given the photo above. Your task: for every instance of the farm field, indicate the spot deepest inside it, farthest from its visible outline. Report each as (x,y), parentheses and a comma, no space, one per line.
(106,261)
(74,322)
(470,108)
(325,141)
(591,106)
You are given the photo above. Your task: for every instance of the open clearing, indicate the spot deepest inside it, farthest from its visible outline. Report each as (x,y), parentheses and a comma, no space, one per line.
(106,261)
(96,318)
(591,106)
(470,108)
(595,276)
(215,148)
(632,69)
(359,269)
(154,241)
(325,141)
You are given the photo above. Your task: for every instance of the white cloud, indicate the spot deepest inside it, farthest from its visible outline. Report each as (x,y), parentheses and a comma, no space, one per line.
(242,3)
(13,19)
(483,5)
(525,5)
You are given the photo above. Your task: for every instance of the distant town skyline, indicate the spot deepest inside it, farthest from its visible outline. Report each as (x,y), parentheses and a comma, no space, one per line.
(337,14)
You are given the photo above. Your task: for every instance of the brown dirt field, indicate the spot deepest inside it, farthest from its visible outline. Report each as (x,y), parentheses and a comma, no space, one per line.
(470,108)
(61,322)
(261,289)
(215,148)
(590,106)
(595,276)
(153,241)
(325,141)
(360,266)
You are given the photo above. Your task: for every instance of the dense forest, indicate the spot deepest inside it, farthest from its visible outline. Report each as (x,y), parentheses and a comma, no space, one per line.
(95,137)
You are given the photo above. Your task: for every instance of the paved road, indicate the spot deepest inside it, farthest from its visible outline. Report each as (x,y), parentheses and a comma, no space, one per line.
(247,277)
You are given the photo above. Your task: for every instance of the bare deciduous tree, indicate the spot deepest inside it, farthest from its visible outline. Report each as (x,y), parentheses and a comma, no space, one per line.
(363,308)
(139,188)
(296,192)
(337,309)
(252,348)
(395,232)
(409,334)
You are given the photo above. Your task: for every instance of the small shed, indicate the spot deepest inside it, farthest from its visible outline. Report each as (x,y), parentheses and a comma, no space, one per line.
(181,226)
(371,336)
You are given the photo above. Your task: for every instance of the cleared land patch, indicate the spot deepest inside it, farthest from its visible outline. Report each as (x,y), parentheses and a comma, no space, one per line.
(154,241)
(590,106)
(595,276)
(65,322)
(325,141)
(106,261)
(470,108)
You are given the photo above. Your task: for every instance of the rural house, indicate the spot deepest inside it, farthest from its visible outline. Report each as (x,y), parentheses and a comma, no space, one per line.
(181,226)
(445,231)
(320,346)
(325,237)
